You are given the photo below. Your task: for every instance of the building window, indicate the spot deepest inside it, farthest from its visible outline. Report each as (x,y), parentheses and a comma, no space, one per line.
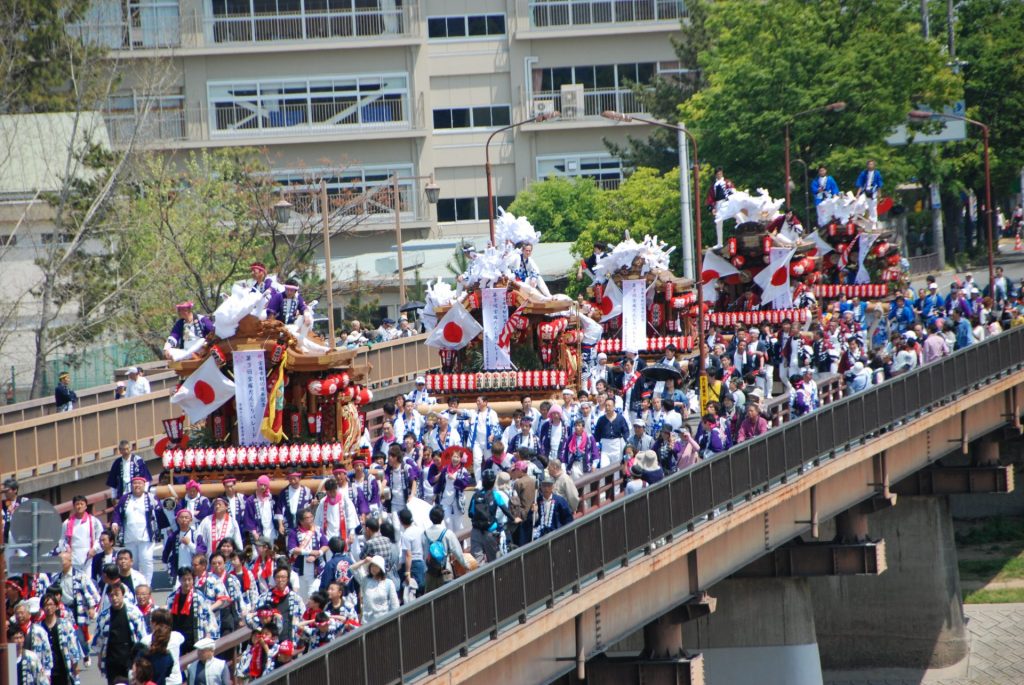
(604,169)
(593,77)
(466,26)
(469,208)
(473,117)
(9,240)
(363,101)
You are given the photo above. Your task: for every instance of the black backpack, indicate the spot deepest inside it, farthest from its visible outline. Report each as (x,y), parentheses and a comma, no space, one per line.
(483,509)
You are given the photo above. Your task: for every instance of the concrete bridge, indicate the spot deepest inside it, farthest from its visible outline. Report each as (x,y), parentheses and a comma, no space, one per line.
(719,568)
(761,564)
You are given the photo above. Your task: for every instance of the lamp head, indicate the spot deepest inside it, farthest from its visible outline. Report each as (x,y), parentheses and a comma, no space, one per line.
(433,191)
(547,116)
(282,211)
(835,106)
(919,115)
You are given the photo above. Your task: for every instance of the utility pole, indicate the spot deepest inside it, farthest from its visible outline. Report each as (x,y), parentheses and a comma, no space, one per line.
(925,29)
(950,41)
(686,227)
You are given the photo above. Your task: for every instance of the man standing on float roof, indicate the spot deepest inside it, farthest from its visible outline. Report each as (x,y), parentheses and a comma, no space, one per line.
(187,329)
(263,284)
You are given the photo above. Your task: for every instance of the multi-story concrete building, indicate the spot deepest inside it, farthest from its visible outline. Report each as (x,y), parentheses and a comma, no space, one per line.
(358,90)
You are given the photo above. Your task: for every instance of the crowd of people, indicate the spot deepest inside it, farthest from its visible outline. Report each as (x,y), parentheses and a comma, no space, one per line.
(446,487)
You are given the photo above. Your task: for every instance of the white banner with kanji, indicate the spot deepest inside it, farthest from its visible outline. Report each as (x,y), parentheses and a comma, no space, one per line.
(250,395)
(634,315)
(494,308)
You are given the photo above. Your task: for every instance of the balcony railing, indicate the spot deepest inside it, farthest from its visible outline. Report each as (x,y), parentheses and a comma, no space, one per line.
(160,126)
(145,27)
(553,14)
(353,23)
(159,25)
(237,120)
(595,101)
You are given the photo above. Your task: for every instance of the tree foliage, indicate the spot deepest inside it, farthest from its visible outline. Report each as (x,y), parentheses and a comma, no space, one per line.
(195,217)
(38,57)
(991,42)
(647,203)
(770,60)
(560,208)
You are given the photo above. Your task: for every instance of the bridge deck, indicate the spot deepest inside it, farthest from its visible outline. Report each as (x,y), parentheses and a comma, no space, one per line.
(679,536)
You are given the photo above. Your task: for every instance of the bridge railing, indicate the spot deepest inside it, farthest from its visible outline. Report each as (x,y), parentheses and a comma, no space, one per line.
(46,442)
(159,379)
(425,634)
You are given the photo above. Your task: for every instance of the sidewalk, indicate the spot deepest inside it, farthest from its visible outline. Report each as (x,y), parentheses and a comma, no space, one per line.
(996,656)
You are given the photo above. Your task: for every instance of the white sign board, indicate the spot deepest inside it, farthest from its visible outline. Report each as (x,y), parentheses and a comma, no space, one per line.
(494,305)
(250,395)
(634,315)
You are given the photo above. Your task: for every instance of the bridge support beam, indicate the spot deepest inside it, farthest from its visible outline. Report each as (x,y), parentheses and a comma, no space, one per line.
(762,632)
(911,615)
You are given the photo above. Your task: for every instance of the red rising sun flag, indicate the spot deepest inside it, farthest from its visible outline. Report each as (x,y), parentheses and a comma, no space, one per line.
(714,267)
(774,278)
(611,301)
(455,330)
(204,391)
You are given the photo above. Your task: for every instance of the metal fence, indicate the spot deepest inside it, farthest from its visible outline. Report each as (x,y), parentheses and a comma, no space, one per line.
(583,13)
(447,623)
(926,263)
(596,100)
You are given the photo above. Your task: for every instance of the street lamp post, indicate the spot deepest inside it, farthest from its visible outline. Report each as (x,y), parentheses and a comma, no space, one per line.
(282,213)
(807,188)
(699,238)
(432,191)
(487,161)
(831,107)
(921,115)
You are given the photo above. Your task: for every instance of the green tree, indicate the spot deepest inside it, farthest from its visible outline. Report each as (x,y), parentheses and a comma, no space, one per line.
(991,42)
(195,218)
(38,57)
(647,203)
(560,208)
(768,60)
(459,261)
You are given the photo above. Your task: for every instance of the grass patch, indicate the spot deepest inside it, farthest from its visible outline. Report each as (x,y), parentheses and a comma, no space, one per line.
(1007,596)
(998,529)
(1000,568)
(981,568)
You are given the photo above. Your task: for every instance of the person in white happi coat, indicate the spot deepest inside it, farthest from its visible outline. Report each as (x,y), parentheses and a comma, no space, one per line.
(217,527)
(420,395)
(236,500)
(140,518)
(336,514)
(81,535)
(483,430)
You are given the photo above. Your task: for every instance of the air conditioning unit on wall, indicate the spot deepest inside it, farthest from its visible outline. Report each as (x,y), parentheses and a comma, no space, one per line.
(541,107)
(572,101)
